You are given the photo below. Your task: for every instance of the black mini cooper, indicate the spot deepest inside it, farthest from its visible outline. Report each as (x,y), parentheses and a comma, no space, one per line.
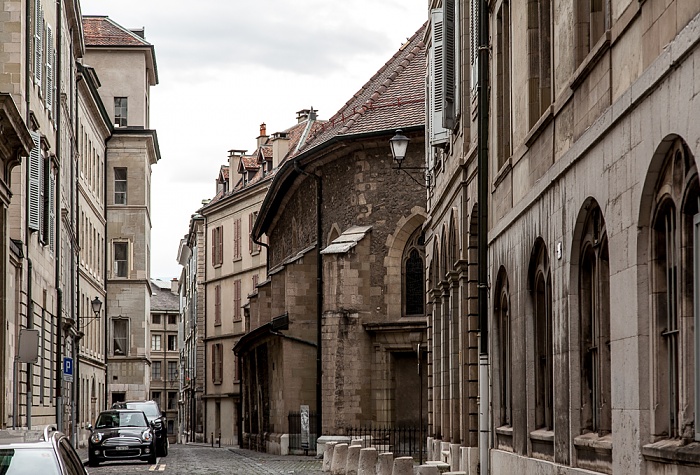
(121,434)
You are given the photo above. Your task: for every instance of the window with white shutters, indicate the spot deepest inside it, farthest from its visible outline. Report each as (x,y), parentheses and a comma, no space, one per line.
(35,183)
(52,212)
(438,134)
(49,68)
(474,42)
(448,64)
(38,40)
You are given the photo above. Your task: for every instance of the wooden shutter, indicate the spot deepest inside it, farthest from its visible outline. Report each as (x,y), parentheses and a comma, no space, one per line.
(49,68)
(251,244)
(217,305)
(214,246)
(438,134)
(237,239)
(448,65)
(52,211)
(221,244)
(213,362)
(474,42)
(237,300)
(221,361)
(34,183)
(38,40)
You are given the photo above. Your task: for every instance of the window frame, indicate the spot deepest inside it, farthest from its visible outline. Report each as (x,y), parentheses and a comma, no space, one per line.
(156,342)
(126,339)
(156,375)
(117,269)
(413,251)
(121,111)
(121,181)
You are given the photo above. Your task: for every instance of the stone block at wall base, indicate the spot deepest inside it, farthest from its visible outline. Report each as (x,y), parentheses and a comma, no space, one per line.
(324,439)
(469,462)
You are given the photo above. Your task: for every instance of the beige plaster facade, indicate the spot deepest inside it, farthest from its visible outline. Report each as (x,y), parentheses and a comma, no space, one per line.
(131,151)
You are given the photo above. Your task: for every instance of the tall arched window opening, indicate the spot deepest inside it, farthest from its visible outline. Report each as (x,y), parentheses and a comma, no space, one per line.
(414,275)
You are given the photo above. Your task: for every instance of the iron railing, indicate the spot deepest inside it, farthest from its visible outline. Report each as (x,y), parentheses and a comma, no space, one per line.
(401,441)
(295,436)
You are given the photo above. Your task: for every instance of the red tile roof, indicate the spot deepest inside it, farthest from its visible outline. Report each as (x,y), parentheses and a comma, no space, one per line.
(393,98)
(102,31)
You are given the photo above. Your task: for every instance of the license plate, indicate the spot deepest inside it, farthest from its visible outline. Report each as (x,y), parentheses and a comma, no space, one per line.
(122,447)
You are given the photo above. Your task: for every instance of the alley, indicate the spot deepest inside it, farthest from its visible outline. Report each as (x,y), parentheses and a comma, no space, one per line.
(203,460)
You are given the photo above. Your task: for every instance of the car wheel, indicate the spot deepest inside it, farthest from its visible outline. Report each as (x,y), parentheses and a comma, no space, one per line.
(92,461)
(166,445)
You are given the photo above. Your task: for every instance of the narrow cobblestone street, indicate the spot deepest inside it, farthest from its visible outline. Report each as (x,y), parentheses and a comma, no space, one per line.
(204,460)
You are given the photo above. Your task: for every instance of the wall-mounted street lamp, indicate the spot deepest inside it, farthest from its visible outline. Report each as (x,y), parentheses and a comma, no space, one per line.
(399,146)
(96,305)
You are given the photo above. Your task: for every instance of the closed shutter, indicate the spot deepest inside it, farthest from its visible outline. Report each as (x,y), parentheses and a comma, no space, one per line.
(34,183)
(251,244)
(438,134)
(49,67)
(237,239)
(38,40)
(214,246)
(52,212)
(474,42)
(221,244)
(448,64)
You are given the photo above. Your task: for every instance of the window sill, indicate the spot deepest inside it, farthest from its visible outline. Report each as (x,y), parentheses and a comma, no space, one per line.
(590,61)
(542,435)
(594,452)
(504,438)
(673,451)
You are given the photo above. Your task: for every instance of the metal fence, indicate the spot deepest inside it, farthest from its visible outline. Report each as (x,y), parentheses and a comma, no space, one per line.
(401,441)
(296,441)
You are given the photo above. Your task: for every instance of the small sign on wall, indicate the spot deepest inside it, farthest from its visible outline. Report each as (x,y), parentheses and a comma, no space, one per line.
(304,412)
(28,346)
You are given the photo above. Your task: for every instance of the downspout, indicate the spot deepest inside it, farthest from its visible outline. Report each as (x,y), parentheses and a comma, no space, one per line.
(30,307)
(483,194)
(57,254)
(319,297)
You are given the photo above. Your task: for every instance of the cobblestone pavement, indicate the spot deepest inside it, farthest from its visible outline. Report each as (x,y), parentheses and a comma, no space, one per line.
(204,460)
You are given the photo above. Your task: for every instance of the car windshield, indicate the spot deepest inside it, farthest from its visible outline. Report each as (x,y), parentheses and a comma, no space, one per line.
(120,419)
(150,409)
(29,461)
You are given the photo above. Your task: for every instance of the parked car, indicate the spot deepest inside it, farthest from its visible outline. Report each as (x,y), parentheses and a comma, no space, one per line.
(121,434)
(152,411)
(52,455)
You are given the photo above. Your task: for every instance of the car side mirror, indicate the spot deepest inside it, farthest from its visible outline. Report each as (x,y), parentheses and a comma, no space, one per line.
(89,427)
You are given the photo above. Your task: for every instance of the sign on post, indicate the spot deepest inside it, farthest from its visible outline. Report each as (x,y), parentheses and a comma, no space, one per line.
(68,369)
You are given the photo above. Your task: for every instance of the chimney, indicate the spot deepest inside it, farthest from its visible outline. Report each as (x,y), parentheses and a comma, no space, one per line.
(262,138)
(174,284)
(305,114)
(140,32)
(280,147)
(234,157)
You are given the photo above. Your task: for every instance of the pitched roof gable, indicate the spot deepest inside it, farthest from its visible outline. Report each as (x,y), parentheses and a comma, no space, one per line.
(103,31)
(393,98)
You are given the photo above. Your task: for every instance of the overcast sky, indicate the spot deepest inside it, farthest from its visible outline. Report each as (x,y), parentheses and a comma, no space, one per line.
(226,66)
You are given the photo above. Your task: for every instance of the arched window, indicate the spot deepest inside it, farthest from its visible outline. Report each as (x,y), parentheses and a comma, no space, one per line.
(502,309)
(414,275)
(594,291)
(541,293)
(672,281)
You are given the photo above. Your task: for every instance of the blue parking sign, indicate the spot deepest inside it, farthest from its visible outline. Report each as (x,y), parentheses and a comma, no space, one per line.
(68,369)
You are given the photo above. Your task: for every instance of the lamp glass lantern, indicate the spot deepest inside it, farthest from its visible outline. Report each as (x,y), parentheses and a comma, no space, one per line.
(399,144)
(96,305)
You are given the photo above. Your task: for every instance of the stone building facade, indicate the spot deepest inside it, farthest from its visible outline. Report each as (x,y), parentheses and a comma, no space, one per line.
(165,354)
(94,128)
(593,211)
(338,213)
(116,52)
(192,258)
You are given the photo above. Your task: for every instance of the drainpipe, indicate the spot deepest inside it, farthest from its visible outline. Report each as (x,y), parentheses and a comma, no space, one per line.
(57,253)
(319,297)
(27,88)
(483,194)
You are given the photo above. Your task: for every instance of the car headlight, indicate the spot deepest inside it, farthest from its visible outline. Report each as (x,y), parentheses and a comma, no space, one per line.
(96,438)
(147,436)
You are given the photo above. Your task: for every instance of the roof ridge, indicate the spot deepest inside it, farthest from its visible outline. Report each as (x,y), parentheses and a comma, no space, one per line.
(358,111)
